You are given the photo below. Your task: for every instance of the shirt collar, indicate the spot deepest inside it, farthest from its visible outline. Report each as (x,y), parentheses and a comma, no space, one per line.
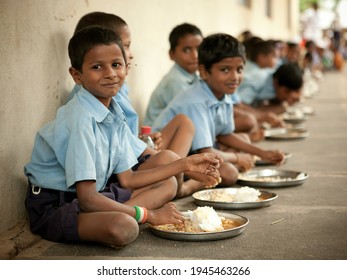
(186,76)
(212,100)
(93,105)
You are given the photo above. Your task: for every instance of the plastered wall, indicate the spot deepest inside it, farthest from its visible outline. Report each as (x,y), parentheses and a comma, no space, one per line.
(34,76)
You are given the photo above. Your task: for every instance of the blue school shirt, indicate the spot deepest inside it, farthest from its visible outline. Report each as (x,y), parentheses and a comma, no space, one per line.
(211,117)
(173,83)
(253,82)
(132,119)
(86,141)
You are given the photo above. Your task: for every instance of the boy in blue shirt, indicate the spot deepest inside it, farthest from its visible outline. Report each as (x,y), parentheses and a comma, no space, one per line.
(282,89)
(175,136)
(209,105)
(69,198)
(184,42)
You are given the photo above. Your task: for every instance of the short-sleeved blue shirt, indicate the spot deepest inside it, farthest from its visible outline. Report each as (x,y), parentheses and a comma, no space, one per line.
(211,117)
(131,117)
(176,81)
(253,83)
(86,141)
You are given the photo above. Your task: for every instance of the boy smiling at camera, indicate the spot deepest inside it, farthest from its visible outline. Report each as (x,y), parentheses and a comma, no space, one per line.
(209,105)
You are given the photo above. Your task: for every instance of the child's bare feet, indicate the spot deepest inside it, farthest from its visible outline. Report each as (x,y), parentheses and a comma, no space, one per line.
(191,186)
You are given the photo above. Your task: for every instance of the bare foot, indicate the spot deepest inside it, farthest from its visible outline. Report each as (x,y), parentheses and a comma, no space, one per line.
(191,186)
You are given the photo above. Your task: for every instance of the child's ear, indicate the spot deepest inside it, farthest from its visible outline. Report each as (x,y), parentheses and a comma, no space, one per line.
(202,71)
(76,75)
(172,55)
(127,68)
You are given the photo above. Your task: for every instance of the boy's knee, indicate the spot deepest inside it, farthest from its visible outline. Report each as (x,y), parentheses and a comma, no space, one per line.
(229,174)
(123,230)
(167,156)
(185,122)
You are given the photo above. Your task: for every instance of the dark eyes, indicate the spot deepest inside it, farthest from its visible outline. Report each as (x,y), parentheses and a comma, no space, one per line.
(114,65)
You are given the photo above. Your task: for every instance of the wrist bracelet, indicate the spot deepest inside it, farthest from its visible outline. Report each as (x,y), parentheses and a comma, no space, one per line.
(140,214)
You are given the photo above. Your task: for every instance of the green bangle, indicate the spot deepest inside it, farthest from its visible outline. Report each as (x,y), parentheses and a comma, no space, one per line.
(138,213)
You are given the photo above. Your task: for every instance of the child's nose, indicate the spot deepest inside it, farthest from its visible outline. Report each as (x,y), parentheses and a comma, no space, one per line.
(110,72)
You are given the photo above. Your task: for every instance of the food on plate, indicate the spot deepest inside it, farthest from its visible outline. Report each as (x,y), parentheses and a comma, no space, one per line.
(270,178)
(202,219)
(243,194)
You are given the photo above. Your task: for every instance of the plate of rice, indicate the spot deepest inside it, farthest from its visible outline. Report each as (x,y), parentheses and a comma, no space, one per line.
(234,198)
(272,178)
(203,224)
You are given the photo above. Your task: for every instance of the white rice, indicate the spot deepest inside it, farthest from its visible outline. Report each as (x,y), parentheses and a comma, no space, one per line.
(205,218)
(246,194)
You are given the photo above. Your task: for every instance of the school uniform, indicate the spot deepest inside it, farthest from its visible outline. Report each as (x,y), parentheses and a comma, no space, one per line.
(86,141)
(253,82)
(131,117)
(211,117)
(173,83)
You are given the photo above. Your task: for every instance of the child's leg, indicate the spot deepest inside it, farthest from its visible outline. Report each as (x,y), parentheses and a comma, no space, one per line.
(248,123)
(182,188)
(244,122)
(111,228)
(228,173)
(154,196)
(178,135)
(158,194)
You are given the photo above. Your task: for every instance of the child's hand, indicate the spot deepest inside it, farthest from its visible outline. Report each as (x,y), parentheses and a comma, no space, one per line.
(245,162)
(205,163)
(273,156)
(158,140)
(273,119)
(168,214)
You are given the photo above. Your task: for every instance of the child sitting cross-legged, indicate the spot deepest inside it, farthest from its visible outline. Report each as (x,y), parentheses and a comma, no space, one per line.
(209,105)
(70,198)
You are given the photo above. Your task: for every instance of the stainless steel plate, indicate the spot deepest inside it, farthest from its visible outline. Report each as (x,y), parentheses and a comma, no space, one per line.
(205,236)
(292,118)
(287,134)
(260,162)
(272,178)
(203,198)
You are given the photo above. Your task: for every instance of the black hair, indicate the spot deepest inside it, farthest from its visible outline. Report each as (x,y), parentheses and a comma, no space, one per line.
(180,31)
(218,46)
(292,45)
(309,44)
(246,35)
(109,21)
(86,39)
(289,75)
(249,45)
(262,47)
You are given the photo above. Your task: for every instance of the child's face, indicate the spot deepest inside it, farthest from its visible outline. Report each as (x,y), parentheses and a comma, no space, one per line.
(293,54)
(290,96)
(103,72)
(125,36)
(186,52)
(268,60)
(224,76)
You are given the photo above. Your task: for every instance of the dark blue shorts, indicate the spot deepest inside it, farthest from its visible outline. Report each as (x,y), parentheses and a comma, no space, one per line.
(53,214)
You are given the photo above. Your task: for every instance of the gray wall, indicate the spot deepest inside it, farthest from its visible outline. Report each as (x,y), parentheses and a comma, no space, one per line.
(34,74)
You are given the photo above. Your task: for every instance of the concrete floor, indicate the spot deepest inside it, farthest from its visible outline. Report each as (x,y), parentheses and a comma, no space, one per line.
(313,216)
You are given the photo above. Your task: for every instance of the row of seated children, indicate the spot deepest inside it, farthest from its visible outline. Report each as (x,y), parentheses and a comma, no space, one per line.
(87,171)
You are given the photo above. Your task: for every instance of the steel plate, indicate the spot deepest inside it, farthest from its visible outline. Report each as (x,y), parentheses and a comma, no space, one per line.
(287,134)
(261,177)
(205,236)
(202,198)
(292,118)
